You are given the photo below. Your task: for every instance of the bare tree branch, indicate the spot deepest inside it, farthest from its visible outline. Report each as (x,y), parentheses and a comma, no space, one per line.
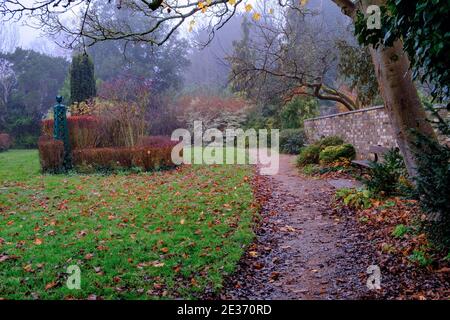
(291,56)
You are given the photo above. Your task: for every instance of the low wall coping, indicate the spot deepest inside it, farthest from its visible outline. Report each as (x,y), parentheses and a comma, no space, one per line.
(438,107)
(345,113)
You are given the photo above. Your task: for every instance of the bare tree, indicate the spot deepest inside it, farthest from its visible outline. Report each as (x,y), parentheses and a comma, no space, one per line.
(81,23)
(7,82)
(291,54)
(9,37)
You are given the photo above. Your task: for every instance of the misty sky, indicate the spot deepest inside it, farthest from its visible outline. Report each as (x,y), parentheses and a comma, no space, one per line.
(31,38)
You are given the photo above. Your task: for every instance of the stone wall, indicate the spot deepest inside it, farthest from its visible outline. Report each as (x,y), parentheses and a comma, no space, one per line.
(362,128)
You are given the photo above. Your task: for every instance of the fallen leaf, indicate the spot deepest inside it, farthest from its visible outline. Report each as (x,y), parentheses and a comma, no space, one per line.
(158,264)
(28,268)
(88,256)
(253,254)
(50,285)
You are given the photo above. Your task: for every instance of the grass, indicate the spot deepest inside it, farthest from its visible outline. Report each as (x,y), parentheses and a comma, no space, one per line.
(399,231)
(213,155)
(134,236)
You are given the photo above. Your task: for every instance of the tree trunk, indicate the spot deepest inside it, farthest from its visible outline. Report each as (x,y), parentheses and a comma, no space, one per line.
(401,100)
(397,88)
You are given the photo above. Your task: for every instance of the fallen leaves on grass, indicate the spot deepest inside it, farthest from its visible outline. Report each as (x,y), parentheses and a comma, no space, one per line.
(5,257)
(51,285)
(191,214)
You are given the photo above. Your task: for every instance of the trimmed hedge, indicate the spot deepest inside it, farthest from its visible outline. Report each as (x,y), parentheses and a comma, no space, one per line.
(335,153)
(291,140)
(5,141)
(102,158)
(153,158)
(51,154)
(83,131)
(109,159)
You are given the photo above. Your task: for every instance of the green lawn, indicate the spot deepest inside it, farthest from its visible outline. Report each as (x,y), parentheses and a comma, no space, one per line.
(137,236)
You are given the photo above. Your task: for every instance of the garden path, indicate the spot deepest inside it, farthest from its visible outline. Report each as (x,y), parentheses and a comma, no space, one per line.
(302,250)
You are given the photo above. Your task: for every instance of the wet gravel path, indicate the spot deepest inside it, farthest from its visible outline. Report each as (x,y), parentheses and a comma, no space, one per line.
(302,250)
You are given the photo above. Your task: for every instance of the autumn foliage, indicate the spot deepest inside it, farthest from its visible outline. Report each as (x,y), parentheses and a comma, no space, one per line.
(83,131)
(145,158)
(109,133)
(151,158)
(5,141)
(51,154)
(97,145)
(102,158)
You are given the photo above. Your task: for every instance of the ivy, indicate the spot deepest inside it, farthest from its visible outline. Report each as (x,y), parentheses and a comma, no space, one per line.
(422,26)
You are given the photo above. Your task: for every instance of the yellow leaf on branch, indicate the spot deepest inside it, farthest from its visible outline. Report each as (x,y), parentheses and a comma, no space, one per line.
(256,16)
(202,6)
(248,7)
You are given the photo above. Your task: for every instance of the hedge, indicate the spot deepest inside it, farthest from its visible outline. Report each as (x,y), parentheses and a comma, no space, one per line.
(51,154)
(83,131)
(5,141)
(107,159)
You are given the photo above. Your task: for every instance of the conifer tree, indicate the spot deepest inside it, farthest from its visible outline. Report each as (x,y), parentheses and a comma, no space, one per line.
(82,79)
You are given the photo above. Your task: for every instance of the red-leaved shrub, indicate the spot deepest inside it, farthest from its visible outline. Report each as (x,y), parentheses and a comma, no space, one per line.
(5,141)
(83,131)
(103,158)
(145,158)
(51,154)
(153,152)
(151,158)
